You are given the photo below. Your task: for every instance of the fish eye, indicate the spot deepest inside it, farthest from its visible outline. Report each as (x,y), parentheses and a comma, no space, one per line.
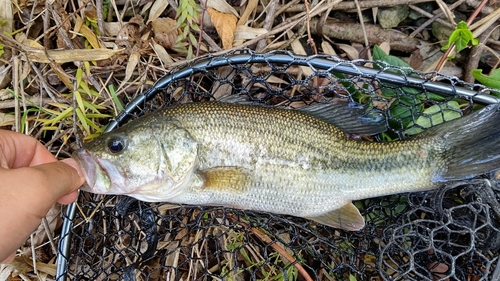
(115,145)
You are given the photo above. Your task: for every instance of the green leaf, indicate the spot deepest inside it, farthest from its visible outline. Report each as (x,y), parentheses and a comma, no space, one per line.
(193,40)
(461,36)
(79,100)
(98,115)
(64,114)
(491,81)
(378,53)
(115,97)
(83,120)
(93,107)
(434,115)
(78,76)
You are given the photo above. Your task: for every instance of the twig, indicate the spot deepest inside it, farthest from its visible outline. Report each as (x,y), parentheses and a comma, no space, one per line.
(281,251)
(475,55)
(310,40)
(265,238)
(201,33)
(376,35)
(100,19)
(433,17)
(272,7)
(362,22)
(349,5)
(15,79)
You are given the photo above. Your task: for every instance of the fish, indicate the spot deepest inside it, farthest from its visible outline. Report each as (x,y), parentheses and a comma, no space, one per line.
(286,161)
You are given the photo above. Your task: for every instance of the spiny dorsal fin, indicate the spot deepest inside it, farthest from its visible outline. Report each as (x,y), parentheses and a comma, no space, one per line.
(347,217)
(348,117)
(225,179)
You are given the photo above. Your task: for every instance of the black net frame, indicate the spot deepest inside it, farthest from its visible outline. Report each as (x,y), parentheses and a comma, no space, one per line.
(448,234)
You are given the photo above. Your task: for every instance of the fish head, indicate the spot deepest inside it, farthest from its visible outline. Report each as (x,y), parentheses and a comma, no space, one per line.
(152,160)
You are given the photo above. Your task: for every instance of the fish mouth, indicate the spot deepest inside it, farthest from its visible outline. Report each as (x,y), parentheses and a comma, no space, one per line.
(101,175)
(88,166)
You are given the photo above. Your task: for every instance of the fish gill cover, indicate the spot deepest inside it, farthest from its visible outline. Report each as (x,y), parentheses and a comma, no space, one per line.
(451,233)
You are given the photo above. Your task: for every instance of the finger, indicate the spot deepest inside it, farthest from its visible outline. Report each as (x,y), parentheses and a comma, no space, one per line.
(59,178)
(9,258)
(19,150)
(68,198)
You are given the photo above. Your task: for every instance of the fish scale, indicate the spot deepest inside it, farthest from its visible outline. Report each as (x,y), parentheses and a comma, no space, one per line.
(276,160)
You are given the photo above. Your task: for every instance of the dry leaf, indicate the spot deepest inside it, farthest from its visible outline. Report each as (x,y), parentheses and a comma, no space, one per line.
(165,32)
(5,271)
(351,52)
(34,44)
(447,12)
(162,54)
(90,36)
(130,34)
(6,16)
(222,6)
(77,27)
(132,63)
(386,47)
(7,120)
(299,50)
(5,76)
(327,48)
(64,56)
(225,24)
(158,7)
(416,59)
(62,75)
(112,28)
(53,218)
(220,89)
(251,5)
(244,32)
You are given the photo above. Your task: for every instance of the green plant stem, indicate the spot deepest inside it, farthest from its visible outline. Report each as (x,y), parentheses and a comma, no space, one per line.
(452,46)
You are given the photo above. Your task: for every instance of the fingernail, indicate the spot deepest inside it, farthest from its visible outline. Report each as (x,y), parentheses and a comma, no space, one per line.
(72,163)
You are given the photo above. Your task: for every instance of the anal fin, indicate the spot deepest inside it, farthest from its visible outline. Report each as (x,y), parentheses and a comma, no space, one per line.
(225,179)
(347,218)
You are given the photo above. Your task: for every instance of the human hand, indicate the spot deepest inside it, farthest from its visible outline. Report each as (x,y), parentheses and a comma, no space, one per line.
(31,181)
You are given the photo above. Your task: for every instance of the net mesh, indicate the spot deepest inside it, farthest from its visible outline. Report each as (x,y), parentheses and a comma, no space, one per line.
(448,234)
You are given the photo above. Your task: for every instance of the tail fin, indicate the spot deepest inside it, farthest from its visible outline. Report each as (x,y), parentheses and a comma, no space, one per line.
(472,144)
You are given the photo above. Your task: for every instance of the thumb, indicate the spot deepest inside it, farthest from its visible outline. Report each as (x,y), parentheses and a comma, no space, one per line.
(44,184)
(59,178)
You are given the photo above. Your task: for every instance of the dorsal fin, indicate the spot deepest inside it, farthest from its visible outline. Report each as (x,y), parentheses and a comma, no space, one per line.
(239,99)
(348,117)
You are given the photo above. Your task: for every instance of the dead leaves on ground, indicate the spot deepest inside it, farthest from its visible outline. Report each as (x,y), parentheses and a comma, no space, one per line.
(225,25)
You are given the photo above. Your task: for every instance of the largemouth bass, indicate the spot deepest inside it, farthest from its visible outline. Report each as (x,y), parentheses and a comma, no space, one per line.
(295,162)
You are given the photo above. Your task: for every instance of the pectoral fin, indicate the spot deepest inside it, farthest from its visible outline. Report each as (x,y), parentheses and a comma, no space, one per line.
(347,217)
(225,179)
